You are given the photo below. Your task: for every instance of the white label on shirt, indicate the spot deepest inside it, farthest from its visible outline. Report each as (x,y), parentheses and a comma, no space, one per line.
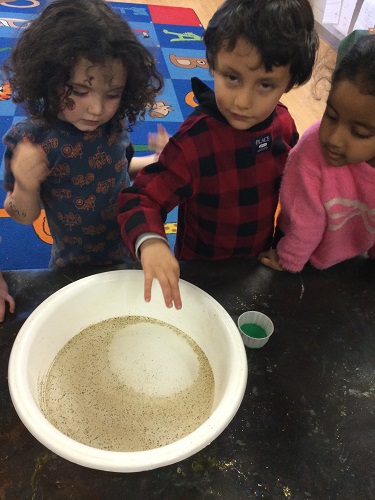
(262,143)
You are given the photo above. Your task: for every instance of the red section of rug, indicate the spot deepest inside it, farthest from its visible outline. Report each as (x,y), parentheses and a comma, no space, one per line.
(173,15)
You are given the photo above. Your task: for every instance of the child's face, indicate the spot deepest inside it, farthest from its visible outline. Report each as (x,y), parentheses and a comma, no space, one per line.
(246,94)
(347,130)
(96,93)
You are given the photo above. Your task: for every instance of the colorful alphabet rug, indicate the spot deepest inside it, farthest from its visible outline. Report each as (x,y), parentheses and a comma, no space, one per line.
(174,36)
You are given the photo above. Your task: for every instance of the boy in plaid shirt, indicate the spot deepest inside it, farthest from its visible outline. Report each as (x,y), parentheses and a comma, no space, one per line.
(223,166)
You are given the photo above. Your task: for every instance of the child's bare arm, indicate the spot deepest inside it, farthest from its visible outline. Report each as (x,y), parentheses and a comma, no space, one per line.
(159,262)
(5,297)
(29,167)
(156,142)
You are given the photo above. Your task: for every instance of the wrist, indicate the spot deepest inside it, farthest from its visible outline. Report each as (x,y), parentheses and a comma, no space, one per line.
(22,189)
(151,241)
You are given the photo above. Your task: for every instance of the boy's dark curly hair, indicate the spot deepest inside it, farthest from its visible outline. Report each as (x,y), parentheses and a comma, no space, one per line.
(281,30)
(39,66)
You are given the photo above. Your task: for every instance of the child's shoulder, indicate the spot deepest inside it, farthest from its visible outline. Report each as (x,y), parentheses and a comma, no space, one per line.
(308,148)
(18,131)
(282,107)
(311,133)
(28,125)
(32,129)
(281,121)
(282,112)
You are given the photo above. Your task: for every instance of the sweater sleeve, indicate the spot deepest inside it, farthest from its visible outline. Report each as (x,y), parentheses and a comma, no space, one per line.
(157,189)
(302,216)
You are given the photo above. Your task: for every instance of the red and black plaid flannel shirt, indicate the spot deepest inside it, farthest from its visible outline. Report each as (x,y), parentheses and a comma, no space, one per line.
(224,181)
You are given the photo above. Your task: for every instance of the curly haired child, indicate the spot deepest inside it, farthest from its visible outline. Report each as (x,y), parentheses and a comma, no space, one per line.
(84,79)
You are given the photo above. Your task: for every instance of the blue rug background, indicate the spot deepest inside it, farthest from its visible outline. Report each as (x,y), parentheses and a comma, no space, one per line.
(173,35)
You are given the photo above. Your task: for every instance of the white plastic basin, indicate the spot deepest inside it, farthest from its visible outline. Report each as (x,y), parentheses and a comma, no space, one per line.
(120,293)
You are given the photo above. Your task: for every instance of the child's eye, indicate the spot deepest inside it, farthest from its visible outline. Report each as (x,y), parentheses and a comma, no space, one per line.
(266,86)
(360,135)
(114,96)
(79,93)
(232,78)
(329,116)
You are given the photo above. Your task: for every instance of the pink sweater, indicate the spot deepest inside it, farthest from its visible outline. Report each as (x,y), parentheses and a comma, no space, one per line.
(327,213)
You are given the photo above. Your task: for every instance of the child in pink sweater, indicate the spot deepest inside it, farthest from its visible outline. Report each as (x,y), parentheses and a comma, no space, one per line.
(327,194)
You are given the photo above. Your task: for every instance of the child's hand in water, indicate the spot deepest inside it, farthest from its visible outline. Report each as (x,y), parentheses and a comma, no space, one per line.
(156,142)
(29,166)
(159,262)
(270,259)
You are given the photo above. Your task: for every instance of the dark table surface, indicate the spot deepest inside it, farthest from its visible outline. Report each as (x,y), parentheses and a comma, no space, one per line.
(306,426)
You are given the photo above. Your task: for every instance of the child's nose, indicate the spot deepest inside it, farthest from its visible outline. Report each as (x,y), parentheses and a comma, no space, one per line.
(95,106)
(337,136)
(244,99)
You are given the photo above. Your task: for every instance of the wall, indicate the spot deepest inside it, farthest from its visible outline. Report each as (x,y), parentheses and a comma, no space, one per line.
(337,18)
